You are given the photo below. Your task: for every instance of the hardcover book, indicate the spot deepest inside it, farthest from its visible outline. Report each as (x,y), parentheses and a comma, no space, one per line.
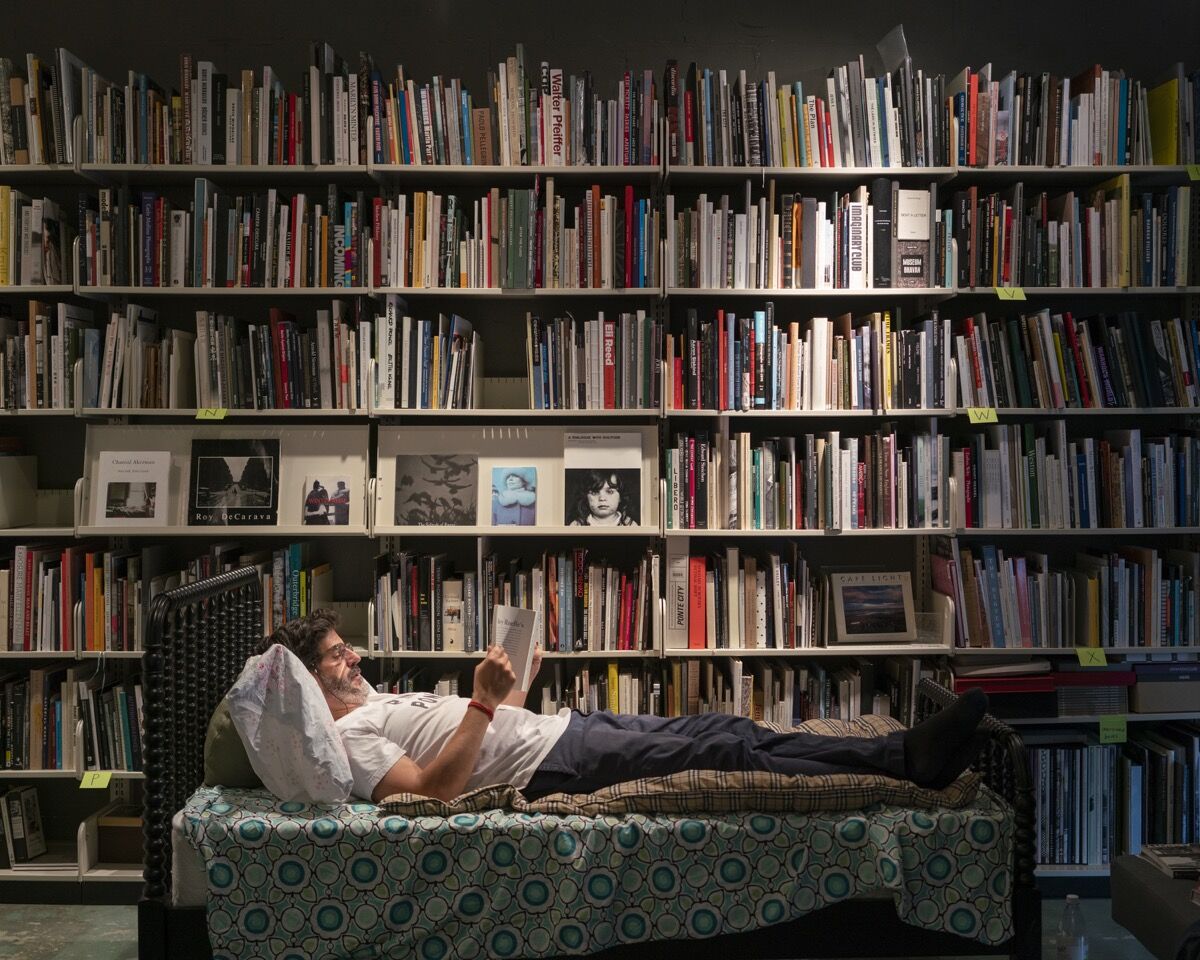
(436,489)
(912,238)
(603,473)
(132,488)
(234,483)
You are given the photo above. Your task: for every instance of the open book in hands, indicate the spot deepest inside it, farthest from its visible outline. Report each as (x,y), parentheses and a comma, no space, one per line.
(512,629)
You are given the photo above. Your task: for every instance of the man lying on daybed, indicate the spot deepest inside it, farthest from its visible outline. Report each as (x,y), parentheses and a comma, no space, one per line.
(444,746)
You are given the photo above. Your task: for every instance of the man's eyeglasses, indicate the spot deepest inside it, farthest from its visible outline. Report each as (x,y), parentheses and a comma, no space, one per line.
(336,653)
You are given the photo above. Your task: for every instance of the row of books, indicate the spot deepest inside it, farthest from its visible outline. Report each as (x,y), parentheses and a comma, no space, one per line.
(732,600)
(732,362)
(112,715)
(599,364)
(831,481)
(221,239)
(520,238)
(38,106)
(212,118)
(589,687)
(1096,801)
(39,712)
(883,236)
(24,840)
(716,118)
(903,117)
(81,596)
(1054,361)
(878,238)
(789,693)
(583,604)
(537,116)
(426,364)
(1032,476)
(34,240)
(1099,117)
(86,597)
(422,604)
(38,354)
(1106,236)
(280,365)
(1131,597)
(754,362)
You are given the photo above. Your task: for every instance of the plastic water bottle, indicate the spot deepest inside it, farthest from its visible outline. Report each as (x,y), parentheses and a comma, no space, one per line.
(1072,936)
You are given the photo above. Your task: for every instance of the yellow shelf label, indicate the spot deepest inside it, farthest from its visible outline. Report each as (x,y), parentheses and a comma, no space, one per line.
(1113,729)
(95,780)
(1010,293)
(1091,657)
(1193,170)
(211,413)
(982,415)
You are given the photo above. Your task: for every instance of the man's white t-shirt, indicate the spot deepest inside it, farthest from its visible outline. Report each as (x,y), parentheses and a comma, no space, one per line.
(417,725)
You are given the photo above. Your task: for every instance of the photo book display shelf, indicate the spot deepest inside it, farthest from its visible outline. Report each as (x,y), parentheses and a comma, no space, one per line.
(509,480)
(149,480)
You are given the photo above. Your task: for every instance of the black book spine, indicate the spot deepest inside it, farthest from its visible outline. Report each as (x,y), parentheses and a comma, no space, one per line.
(881,199)
(424,626)
(220,82)
(701,505)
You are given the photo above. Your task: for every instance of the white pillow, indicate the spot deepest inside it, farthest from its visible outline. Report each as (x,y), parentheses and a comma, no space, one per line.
(287,728)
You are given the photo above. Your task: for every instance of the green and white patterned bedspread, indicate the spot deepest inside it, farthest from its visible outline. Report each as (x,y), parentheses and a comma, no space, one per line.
(293,880)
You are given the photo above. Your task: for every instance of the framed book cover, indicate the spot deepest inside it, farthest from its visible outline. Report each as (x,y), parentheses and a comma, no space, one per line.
(872,608)
(603,480)
(234,483)
(133,488)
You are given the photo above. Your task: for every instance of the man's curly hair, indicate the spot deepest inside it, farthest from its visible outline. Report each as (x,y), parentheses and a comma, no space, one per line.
(303,637)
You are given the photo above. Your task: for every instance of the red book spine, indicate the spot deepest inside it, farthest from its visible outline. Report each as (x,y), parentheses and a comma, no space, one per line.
(860,507)
(677,381)
(627,613)
(1085,393)
(610,365)
(292,113)
(828,135)
(697,620)
(279,365)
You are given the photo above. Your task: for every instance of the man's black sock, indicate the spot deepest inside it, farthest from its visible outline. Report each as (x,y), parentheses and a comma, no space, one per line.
(935,747)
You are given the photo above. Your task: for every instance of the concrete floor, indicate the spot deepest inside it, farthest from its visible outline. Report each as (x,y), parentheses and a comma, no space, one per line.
(110,933)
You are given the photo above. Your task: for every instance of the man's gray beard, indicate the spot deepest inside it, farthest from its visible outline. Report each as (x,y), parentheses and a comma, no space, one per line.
(352,692)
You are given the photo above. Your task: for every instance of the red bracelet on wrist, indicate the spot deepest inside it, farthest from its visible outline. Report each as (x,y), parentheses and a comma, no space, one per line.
(491,714)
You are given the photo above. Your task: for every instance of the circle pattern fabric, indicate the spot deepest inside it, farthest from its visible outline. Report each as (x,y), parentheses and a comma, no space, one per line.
(310,881)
